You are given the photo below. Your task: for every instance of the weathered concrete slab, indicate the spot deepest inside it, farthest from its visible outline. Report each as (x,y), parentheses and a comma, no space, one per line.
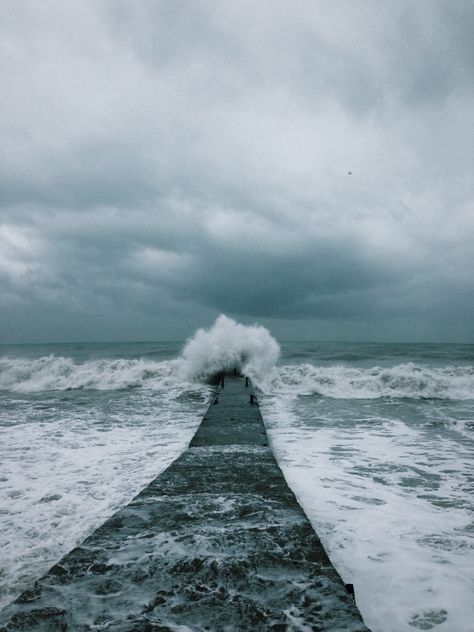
(216,542)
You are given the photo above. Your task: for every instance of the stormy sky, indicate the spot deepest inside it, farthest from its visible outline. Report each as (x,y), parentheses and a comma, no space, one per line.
(163,161)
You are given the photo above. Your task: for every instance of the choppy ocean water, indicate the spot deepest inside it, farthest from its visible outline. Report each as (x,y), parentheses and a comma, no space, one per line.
(376,440)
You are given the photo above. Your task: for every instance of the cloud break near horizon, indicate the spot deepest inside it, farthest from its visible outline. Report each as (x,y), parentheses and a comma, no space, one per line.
(307,165)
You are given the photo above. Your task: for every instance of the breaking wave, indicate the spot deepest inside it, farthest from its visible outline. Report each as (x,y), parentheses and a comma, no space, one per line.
(253,351)
(225,345)
(53,373)
(401,381)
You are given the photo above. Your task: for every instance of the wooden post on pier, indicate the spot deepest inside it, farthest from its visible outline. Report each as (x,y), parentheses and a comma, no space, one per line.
(216,542)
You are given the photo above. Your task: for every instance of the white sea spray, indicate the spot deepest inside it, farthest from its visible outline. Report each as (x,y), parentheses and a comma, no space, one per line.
(227,345)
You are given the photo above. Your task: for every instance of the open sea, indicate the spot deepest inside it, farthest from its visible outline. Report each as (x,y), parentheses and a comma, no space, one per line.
(376,440)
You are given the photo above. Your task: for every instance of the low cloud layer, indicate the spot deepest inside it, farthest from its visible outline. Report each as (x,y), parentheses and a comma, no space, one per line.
(164,162)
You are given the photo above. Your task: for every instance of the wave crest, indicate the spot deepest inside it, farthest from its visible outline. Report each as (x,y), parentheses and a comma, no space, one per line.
(408,380)
(60,374)
(227,345)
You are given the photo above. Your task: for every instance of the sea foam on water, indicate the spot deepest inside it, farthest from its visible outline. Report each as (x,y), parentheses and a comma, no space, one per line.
(375,440)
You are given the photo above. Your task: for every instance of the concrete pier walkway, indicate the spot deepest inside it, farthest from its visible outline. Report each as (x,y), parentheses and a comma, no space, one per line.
(216,542)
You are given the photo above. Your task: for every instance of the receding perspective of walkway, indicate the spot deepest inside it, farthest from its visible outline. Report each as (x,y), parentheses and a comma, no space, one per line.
(216,542)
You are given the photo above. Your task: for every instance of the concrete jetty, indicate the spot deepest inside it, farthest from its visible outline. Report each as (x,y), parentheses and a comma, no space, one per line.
(217,542)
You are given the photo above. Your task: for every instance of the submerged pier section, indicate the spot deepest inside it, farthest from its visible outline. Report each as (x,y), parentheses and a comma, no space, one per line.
(216,542)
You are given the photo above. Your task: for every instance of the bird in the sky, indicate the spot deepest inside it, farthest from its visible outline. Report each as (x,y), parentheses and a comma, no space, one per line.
(349,173)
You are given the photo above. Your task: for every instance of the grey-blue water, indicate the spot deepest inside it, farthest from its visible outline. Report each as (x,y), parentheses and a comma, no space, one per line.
(375,439)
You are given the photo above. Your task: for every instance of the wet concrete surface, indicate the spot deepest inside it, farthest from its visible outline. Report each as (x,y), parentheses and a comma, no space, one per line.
(216,542)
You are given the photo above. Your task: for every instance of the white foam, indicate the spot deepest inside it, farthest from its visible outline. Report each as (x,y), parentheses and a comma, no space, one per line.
(342,382)
(67,463)
(228,344)
(225,345)
(392,504)
(52,373)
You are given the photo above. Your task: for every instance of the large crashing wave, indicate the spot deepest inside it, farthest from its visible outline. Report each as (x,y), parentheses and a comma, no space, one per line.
(250,349)
(225,345)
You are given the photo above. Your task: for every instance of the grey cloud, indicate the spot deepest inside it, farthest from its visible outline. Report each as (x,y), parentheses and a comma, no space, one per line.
(164,162)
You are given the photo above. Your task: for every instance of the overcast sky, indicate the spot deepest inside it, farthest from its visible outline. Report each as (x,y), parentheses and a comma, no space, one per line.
(163,161)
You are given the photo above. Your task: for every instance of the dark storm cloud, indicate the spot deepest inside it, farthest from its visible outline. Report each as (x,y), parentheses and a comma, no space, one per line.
(162,162)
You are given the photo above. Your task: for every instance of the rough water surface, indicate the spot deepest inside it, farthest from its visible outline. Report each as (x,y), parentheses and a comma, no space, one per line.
(376,441)
(216,542)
